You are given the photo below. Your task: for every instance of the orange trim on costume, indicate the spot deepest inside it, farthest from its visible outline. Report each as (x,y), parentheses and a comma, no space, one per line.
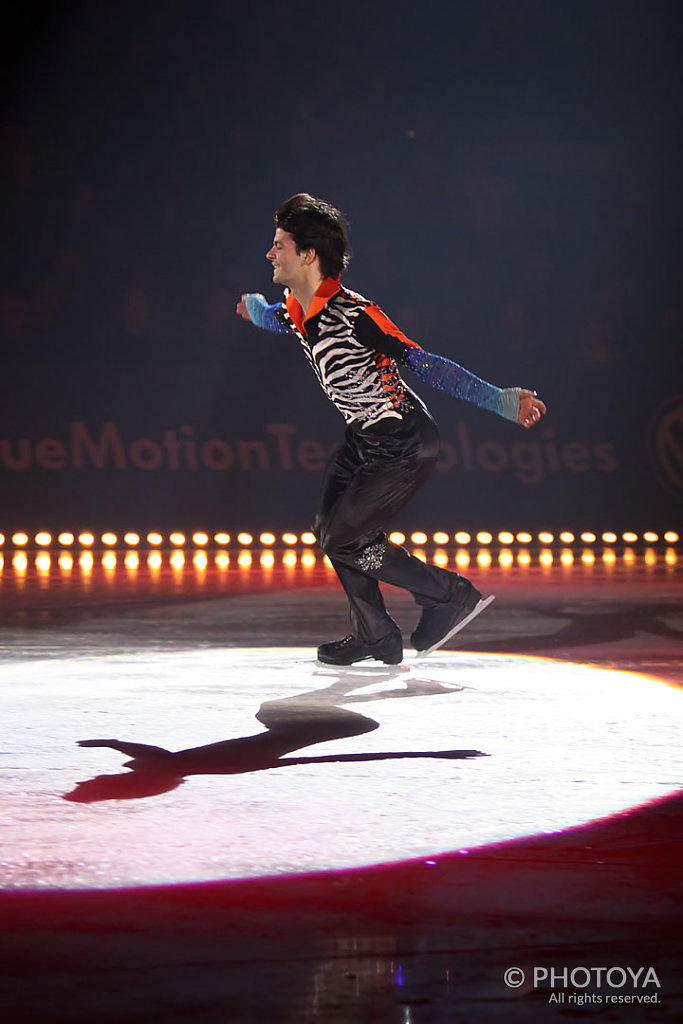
(391,382)
(386,325)
(329,287)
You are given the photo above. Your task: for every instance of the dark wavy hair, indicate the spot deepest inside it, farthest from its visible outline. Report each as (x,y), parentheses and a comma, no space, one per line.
(316,224)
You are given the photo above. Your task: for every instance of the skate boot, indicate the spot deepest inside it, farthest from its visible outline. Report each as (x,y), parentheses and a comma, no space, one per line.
(350,650)
(442,621)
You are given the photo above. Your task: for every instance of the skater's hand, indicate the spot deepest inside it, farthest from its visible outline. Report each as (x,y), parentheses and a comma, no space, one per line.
(242,309)
(531,408)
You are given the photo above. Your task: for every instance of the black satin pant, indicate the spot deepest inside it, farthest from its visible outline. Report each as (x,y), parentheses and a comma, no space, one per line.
(366,483)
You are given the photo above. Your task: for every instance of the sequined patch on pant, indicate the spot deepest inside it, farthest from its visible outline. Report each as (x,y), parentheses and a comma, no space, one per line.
(372,556)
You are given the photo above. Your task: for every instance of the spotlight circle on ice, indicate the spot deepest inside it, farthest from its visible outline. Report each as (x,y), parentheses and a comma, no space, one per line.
(229,763)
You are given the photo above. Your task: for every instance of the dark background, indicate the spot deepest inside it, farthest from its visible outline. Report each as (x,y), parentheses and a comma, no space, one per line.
(512,175)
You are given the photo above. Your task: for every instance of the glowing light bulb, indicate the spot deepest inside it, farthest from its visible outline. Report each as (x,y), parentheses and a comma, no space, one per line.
(289,538)
(66,539)
(505,537)
(308,538)
(524,538)
(397,537)
(418,537)
(154,539)
(245,539)
(43,539)
(462,537)
(86,539)
(545,537)
(267,539)
(19,539)
(109,539)
(131,539)
(567,537)
(222,538)
(588,538)
(440,537)
(200,539)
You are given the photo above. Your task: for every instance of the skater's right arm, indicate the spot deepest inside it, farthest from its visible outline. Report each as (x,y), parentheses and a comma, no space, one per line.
(254,308)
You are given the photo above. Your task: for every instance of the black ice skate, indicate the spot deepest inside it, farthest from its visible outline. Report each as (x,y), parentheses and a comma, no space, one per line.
(350,650)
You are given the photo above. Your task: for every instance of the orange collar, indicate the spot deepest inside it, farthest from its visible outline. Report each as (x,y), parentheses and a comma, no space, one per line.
(329,287)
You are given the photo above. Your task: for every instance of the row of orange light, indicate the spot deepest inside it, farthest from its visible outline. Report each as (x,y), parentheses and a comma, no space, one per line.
(199,539)
(177,560)
(267,559)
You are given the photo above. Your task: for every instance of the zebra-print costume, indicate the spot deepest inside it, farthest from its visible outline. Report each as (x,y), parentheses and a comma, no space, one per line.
(355,351)
(353,359)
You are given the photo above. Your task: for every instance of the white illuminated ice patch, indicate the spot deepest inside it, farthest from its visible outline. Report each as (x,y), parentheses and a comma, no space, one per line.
(341,768)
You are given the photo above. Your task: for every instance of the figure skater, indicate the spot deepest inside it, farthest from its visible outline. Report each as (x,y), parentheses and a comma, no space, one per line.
(391,442)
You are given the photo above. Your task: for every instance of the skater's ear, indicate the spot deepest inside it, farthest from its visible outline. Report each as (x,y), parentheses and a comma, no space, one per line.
(309,256)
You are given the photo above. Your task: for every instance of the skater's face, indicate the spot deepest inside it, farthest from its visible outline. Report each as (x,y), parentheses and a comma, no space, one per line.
(289,266)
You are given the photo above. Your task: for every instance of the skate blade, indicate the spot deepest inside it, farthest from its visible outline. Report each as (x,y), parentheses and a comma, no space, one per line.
(477,610)
(361,669)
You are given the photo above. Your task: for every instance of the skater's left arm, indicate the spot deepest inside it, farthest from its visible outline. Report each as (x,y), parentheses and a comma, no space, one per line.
(521,406)
(516,404)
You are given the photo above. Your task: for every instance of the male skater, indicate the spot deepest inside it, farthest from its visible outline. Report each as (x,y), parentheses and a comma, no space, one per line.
(391,441)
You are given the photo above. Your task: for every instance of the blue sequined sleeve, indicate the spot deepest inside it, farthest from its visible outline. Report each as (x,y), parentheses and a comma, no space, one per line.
(447,376)
(377,331)
(263,315)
